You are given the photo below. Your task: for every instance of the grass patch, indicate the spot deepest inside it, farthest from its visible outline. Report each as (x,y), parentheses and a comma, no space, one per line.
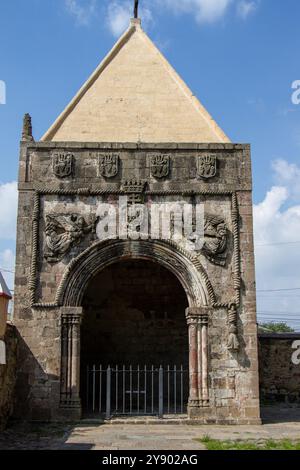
(269,444)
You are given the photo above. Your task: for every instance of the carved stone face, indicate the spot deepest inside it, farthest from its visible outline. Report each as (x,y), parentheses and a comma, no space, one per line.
(222,230)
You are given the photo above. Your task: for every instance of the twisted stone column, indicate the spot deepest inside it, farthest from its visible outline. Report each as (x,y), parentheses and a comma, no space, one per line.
(197,320)
(70,357)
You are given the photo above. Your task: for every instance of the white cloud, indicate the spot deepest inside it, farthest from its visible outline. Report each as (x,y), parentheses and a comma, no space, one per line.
(7,265)
(119,13)
(203,10)
(245,8)
(277,231)
(288,174)
(81,10)
(8,210)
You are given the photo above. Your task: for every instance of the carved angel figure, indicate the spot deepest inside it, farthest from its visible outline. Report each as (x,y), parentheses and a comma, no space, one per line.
(62,232)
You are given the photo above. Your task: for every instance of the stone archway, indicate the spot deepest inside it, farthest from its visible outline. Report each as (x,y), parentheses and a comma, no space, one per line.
(103,254)
(134,322)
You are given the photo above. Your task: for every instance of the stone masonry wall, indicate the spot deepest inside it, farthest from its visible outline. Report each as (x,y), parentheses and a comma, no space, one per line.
(8,376)
(233,375)
(279,376)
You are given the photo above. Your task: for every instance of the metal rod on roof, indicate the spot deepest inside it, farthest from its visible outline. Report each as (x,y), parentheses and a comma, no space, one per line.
(136,8)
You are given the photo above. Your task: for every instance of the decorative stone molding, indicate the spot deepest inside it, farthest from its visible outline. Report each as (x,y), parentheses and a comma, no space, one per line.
(112,191)
(207,166)
(109,165)
(135,189)
(70,357)
(63,164)
(236,249)
(63,231)
(232,342)
(159,165)
(197,320)
(102,254)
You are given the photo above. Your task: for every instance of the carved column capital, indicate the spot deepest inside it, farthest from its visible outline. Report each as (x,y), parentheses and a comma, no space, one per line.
(197,315)
(71,315)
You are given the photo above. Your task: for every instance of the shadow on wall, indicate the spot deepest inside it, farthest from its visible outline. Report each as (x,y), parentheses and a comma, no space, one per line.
(32,381)
(8,376)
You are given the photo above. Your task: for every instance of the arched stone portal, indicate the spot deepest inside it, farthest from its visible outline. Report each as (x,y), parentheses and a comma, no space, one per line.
(168,261)
(134,313)
(134,317)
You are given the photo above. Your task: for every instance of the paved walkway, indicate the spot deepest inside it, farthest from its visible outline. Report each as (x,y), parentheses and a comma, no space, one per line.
(121,436)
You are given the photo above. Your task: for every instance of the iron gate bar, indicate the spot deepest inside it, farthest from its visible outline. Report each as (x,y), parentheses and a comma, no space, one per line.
(152,382)
(169,399)
(181,388)
(175,394)
(145,388)
(161,392)
(94,386)
(108,391)
(100,388)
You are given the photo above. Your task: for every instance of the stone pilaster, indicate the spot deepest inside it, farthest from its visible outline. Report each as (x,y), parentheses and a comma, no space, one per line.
(197,320)
(70,358)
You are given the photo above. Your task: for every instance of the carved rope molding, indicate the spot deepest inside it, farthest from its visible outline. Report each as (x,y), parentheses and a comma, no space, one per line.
(86,192)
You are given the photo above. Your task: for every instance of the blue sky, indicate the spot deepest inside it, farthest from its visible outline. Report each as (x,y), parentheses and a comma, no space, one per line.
(240,57)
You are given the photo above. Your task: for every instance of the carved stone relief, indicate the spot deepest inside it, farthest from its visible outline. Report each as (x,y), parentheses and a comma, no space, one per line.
(63,164)
(232,342)
(214,246)
(63,231)
(135,190)
(160,165)
(109,165)
(207,166)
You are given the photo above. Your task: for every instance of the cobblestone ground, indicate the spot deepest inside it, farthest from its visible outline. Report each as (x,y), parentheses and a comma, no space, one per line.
(152,436)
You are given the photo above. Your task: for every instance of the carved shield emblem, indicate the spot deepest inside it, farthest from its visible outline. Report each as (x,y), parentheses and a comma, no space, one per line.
(109,165)
(207,166)
(63,164)
(160,166)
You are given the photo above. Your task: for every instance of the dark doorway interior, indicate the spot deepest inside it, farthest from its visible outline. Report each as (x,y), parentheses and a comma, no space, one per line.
(134,315)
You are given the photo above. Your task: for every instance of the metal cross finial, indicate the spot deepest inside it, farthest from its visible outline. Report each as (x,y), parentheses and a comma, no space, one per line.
(136,8)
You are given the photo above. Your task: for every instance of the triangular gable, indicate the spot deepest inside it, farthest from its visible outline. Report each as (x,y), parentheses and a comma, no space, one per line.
(135,96)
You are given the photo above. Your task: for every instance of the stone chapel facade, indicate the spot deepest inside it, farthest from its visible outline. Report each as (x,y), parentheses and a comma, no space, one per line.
(135,129)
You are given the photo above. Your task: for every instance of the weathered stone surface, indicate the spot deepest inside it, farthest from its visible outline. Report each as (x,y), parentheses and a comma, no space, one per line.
(232,376)
(8,376)
(279,375)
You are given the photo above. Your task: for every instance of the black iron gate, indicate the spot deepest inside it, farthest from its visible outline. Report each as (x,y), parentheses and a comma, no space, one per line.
(128,390)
